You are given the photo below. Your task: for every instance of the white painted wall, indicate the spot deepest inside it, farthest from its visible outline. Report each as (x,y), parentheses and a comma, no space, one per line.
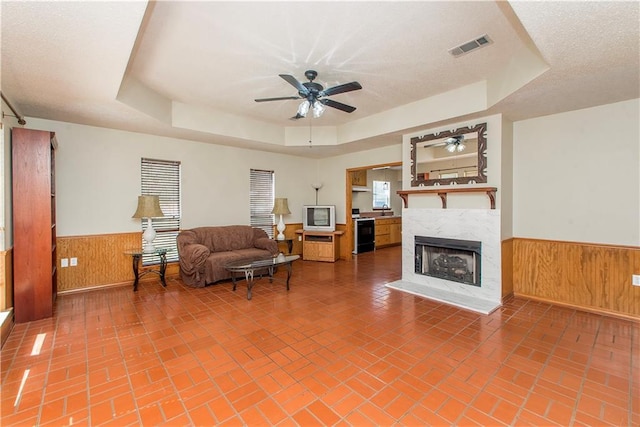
(576,175)
(4,193)
(6,224)
(506,182)
(98,178)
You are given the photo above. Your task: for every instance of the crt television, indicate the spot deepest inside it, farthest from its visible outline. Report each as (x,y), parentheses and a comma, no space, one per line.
(319,218)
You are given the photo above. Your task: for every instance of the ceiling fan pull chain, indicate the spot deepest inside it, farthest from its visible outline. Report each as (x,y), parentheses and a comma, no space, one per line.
(309,132)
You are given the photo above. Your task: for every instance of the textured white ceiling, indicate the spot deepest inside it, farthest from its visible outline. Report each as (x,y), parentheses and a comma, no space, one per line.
(69,61)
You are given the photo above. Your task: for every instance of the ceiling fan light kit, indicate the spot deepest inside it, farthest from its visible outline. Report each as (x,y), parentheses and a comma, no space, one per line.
(303,108)
(312,93)
(318,109)
(454,144)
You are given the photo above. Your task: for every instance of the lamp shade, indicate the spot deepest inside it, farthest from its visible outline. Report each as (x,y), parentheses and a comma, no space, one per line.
(149,207)
(280,207)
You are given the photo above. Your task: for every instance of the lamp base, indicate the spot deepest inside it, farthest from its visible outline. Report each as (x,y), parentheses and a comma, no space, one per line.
(148,236)
(280,227)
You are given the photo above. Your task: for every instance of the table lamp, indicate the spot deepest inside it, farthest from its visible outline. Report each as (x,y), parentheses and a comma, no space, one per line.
(148,207)
(280,207)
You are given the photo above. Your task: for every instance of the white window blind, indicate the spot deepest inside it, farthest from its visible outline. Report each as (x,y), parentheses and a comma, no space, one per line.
(162,178)
(262,198)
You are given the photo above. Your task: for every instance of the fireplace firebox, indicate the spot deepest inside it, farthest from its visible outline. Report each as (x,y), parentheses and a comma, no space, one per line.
(449,259)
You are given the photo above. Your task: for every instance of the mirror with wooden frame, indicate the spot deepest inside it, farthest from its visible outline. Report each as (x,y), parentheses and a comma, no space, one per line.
(450,157)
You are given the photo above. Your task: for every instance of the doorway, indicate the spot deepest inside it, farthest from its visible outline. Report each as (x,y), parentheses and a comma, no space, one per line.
(359,191)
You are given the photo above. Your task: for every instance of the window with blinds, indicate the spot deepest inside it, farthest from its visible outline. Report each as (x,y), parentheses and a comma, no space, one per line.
(162,178)
(262,198)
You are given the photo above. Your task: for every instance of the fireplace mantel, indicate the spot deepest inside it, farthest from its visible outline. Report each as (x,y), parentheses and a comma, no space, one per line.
(442,193)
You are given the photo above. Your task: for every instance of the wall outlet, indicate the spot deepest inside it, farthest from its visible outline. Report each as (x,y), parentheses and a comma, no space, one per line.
(64,262)
(299,238)
(74,262)
(635,279)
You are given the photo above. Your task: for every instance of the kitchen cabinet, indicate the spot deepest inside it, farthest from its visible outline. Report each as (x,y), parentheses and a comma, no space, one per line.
(359,178)
(388,232)
(395,232)
(34,224)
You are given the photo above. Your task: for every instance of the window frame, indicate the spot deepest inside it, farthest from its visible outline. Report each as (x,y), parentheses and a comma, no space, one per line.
(386,194)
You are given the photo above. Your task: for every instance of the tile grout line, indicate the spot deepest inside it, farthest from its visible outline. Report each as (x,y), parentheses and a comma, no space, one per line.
(54,335)
(211,379)
(493,376)
(546,364)
(583,380)
(630,404)
(86,356)
(434,349)
(155,352)
(15,351)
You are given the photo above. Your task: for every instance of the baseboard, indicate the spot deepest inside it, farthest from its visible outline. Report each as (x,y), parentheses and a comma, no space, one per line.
(580,308)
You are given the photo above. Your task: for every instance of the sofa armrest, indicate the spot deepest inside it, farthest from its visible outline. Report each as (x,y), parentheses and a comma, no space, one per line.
(193,256)
(266,243)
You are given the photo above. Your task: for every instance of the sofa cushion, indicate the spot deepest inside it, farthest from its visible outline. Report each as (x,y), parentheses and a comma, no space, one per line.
(225,238)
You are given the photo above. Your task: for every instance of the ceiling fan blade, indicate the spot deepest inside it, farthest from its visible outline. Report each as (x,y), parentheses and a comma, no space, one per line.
(295,83)
(281,98)
(347,87)
(339,105)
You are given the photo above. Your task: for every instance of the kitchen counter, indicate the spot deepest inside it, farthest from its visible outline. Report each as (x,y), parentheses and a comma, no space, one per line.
(376,215)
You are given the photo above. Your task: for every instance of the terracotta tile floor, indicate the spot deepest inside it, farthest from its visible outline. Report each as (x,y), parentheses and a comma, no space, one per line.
(338,349)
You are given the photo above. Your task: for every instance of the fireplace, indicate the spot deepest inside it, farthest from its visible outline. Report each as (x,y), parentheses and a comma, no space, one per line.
(448,259)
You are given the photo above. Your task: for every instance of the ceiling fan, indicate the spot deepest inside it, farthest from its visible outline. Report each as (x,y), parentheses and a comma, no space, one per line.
(314,95)
(455,143)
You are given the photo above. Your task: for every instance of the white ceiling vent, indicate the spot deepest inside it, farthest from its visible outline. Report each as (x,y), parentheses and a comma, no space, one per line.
(471,45)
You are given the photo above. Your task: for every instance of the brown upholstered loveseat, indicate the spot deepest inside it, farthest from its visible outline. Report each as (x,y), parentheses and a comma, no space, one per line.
(204,251)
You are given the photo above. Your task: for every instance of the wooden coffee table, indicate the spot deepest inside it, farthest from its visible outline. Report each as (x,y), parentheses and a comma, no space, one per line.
(250,266)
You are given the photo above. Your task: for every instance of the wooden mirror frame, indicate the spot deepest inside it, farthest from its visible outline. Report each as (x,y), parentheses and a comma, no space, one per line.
(481,130)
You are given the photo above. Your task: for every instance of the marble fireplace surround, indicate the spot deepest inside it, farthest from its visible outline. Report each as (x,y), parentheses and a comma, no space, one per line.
(481,225)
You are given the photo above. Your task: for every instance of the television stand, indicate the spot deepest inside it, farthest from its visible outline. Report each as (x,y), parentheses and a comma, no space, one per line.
(320,245)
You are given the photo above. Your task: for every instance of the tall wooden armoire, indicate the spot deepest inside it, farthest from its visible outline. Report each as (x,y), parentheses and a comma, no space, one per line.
(34,224)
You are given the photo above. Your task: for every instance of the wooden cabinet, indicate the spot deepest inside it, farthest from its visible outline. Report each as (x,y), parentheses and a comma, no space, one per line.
(34,224)
(321,246)
(359,178)
(388,232)
(395,232)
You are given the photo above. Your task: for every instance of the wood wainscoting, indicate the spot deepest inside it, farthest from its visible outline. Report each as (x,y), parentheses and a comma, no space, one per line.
(101,261)
(6,279)
(588,276)
(7,319)
(290,233)
(507,269)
